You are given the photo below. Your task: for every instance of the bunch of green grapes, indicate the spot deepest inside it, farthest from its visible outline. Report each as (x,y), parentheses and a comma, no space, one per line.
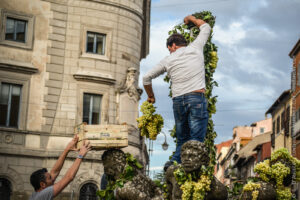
(150,124)
(187,190)
(279,172)
(264,170)
(214,59)
(195,190)
(254,187)
(284,193)
(201,187)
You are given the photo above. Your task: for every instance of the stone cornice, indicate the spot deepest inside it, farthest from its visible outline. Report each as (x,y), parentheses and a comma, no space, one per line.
(18,67)
(98,78)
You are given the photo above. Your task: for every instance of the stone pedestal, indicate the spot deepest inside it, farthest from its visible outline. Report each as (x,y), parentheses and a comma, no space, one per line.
(128,109)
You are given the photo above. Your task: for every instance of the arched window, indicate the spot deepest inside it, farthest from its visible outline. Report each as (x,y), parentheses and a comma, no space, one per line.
(88,192)
(5,189)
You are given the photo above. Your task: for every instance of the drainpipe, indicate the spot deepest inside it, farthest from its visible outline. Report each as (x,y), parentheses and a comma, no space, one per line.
(72,194)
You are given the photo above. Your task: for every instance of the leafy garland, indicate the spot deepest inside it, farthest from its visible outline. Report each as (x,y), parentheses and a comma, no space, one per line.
(194,185)
(275,172)
(127,175)
(190,32)
(150,124)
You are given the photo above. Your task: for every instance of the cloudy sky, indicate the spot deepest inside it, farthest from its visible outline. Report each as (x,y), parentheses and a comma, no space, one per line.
(254,38)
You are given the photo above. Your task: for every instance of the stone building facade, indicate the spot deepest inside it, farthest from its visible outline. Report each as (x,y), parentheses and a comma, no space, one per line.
(281,122)
(64,62)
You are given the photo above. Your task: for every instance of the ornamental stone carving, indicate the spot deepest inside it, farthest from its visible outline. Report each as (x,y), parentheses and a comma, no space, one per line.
(193,155)
(130,85)
(140,187)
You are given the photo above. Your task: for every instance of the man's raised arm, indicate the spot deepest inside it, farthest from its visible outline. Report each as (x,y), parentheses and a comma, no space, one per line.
(204,30)
(60,162)
(70,175)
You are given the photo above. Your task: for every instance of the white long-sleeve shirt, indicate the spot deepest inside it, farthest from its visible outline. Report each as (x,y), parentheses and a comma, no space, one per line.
(185,66)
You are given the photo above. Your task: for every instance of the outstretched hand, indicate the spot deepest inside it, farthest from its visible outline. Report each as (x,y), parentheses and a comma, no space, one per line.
(86,147)
(72,144)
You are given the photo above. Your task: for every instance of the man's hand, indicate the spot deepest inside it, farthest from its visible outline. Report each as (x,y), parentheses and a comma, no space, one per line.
(151,99)
(86,147)
(194,20)
(149,91)
(72,143)
(188,19)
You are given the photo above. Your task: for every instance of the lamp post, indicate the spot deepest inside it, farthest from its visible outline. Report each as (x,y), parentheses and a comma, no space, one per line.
(165,145)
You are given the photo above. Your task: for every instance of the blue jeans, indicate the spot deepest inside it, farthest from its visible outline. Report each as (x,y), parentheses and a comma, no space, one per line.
(191,118)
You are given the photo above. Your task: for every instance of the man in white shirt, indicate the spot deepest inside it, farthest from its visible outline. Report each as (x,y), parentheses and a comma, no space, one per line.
(185,68)
(43,181)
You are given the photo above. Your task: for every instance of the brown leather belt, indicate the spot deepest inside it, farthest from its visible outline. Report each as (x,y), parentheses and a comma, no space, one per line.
(201,90)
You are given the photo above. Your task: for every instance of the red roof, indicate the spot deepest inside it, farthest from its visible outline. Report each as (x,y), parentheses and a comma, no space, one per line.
(223,144)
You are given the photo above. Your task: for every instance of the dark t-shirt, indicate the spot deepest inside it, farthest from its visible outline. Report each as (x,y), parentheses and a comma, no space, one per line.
(45,194)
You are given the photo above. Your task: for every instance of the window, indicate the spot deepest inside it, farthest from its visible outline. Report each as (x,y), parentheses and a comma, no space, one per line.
(88,192)
(10,98)
(297,114)
(91,108)
(95,43)
(278,124)
(293,82)
(282,119)
(5,189)
(287,121)
(273,134)
(262,130)
(15,30)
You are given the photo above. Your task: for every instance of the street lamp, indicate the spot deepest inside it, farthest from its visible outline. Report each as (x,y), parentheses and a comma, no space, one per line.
(165,145)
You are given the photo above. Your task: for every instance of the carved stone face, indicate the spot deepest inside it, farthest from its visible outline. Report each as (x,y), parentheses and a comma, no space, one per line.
(114,163)
(193,155)
(190,160)
(113,168)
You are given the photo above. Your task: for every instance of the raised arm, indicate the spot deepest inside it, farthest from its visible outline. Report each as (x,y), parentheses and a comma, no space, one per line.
(204,31)
(60,162)
(70,175)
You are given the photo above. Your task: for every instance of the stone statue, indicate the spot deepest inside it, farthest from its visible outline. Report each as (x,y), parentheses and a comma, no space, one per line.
(139,188)
(130,85)
(193,155)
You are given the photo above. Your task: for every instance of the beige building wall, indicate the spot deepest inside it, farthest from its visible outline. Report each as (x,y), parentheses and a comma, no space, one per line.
(220,173)
(281,140)
(54,71)
(262,126)
(240,132)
